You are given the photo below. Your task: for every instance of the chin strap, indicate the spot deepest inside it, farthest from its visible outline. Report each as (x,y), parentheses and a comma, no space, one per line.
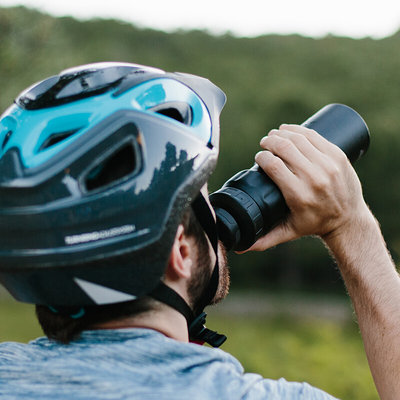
(196,319)
(198,333)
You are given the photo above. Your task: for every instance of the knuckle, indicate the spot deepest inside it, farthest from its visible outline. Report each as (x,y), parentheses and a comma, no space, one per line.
(268,162)
(334,172)
(261,157)
(321,184)
(309,133)
(274,165)
(283,145)
(341,156)
(300,139)
(312,132)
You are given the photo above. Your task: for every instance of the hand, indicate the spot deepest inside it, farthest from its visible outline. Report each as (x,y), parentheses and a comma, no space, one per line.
(325,198)
(317,181)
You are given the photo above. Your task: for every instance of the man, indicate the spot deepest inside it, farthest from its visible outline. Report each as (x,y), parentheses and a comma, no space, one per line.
(103,228)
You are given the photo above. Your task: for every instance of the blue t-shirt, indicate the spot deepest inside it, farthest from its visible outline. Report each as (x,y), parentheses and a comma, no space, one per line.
(137,364)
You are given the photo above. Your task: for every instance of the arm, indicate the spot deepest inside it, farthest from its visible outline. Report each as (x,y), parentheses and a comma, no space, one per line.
(325,198)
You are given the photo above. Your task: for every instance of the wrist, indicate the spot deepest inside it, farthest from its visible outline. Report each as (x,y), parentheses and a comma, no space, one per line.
(355,233)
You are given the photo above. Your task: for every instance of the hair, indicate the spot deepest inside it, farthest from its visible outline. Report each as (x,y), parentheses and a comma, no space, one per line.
(64,324)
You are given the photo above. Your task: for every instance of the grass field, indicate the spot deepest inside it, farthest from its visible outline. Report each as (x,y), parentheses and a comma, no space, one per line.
(325,353)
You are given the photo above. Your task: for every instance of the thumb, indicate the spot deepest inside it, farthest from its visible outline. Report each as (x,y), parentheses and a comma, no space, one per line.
(280,234)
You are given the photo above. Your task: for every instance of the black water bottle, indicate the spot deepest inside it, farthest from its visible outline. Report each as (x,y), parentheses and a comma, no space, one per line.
(249,204)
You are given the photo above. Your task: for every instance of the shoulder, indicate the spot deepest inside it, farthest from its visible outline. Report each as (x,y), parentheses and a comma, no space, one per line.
(262,389)
(217,374)
(11,351)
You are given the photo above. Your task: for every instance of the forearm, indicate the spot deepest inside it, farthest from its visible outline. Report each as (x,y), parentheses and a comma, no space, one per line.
(374,287)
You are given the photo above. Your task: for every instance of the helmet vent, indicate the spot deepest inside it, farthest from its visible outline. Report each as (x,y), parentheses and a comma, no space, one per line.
(120,164)
(6,139)
(179,111)
(56,138)
(172,113)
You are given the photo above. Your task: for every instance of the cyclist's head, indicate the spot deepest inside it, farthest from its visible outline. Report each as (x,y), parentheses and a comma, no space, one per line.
(98,166)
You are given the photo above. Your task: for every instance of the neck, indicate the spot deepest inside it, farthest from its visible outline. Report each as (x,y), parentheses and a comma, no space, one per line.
(164,319)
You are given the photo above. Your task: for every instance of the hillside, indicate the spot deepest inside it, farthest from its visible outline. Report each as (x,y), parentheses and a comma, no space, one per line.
(268,80)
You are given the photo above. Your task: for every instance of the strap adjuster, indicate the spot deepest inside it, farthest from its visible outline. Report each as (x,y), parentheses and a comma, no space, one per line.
(198,332)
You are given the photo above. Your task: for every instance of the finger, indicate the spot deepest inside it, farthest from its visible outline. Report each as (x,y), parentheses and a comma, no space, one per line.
(275,168)
(317,140)
(320,152)
(288,183)
(301,142)
(282,145)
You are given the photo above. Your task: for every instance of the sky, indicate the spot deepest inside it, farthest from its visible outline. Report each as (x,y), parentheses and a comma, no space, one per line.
(314,18)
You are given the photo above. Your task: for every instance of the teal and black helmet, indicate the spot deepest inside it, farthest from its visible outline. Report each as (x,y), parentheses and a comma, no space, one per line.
(96,162)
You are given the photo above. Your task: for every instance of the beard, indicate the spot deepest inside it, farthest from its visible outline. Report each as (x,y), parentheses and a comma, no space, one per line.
(199,282)
(224,276)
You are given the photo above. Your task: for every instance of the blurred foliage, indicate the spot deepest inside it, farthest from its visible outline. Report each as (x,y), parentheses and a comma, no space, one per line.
(17,321)
(269,80)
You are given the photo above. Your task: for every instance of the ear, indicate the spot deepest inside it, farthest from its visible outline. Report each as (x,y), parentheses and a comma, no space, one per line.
(181,258)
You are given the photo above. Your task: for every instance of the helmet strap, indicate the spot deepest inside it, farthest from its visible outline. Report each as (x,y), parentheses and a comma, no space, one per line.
(196,318)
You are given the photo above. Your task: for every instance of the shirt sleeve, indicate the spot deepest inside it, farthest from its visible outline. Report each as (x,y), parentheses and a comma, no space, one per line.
(267,389)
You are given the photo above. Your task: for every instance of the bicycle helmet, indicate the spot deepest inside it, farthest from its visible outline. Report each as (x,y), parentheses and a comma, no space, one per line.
(98,161)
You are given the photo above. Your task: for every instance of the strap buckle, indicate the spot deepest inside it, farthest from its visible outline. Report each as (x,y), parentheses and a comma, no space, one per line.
(199,333)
